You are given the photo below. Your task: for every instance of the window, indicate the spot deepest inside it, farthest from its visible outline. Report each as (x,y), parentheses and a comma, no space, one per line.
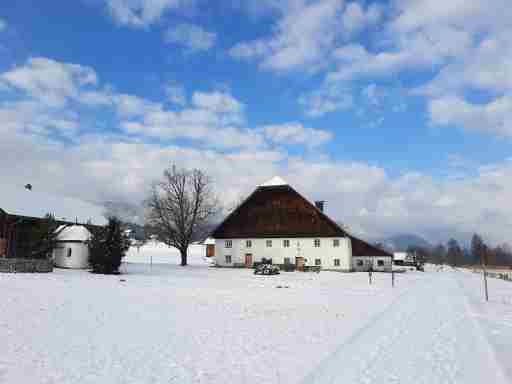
(248,243)
(69,252)
(229,243)
(317,243)
(318,262)
(380,263)
(286,243)
(287,261)
(359,263)
(269,243)
(228,259)
(336,262)
(336,243)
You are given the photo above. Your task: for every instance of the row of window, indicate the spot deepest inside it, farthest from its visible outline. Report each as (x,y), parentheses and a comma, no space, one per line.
(360,263)
(286,243)
(287,261)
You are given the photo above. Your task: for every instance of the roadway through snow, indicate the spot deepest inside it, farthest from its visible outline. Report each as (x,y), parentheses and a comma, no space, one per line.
(427,335)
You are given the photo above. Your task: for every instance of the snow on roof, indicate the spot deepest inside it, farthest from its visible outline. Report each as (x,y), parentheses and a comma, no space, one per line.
(19,201)
(275,181)
(209,241)
(73,233)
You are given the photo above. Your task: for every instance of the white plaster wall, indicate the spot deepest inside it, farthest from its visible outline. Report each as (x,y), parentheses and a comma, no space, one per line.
(79,255)
(371,261)
(299,247)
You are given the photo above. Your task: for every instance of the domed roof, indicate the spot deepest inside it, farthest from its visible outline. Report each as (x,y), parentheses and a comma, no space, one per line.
(73,233)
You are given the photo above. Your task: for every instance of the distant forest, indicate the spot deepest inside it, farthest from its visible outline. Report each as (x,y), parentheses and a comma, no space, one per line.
(453,254)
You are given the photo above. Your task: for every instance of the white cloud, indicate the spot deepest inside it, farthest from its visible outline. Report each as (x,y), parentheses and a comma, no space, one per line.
(465,44)
(325,100)
(484,67)
(53,89)
(365,197)
(301,37)
(421,50)
(176,94)
(33,118)
(373,94)
(296,133)
(190,36)
(355,17)
(121,166)
(305,33)
(217,102)
(141,13)
(3,25)
(49,81)
(494,117)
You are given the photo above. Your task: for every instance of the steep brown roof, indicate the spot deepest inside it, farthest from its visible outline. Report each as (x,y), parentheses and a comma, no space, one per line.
(277,211)
(361,248)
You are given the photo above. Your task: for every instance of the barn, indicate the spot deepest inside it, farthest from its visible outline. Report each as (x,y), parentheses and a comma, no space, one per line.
(277,223)
(22,209)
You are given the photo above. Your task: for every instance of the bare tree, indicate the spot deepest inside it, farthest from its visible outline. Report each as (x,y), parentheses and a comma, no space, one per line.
(179,205)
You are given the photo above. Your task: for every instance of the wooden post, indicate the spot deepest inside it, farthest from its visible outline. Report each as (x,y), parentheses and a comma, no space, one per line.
(485,283)
(392,277)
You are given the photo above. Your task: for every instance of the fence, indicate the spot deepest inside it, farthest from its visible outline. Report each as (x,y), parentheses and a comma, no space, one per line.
(26,265)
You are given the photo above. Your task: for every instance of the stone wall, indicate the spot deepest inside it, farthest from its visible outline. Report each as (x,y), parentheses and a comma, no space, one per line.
(25,265)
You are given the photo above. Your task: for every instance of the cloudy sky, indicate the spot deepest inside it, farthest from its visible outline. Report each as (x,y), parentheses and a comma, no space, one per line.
(398,113)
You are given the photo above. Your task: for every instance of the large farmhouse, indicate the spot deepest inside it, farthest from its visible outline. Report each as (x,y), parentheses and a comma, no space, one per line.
(275,222)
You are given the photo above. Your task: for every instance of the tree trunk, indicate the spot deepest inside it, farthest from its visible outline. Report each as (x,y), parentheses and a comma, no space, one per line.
(183,257)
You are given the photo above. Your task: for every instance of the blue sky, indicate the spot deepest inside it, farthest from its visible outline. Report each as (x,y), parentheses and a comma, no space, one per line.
(398,112)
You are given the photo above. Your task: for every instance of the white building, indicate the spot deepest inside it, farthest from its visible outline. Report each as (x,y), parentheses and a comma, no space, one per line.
(404,258)
(275,222)
(72,250)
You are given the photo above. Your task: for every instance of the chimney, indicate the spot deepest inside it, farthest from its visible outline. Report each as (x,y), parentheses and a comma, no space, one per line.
(320,205)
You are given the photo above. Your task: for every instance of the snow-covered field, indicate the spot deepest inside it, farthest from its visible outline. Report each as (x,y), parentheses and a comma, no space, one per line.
(159,253)
(170,324)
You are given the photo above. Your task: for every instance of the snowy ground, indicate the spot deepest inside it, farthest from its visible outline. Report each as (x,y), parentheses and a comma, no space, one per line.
(159,253)
(169,324)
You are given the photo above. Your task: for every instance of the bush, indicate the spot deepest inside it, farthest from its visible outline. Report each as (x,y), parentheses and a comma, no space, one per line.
(107,247)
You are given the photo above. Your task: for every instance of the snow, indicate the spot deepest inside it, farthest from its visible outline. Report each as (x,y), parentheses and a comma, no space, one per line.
(22,202)
(73,233)
(275,181)
(159,253)
(209,241)
(163,323)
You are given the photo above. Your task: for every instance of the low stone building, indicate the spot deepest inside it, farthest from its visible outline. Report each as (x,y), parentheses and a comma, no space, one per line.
(72,250)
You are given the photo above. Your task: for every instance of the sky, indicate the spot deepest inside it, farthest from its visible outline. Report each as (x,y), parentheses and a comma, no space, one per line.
(398,113)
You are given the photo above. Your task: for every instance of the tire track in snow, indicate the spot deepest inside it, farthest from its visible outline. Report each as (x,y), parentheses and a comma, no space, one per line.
(425,336)
(3,371)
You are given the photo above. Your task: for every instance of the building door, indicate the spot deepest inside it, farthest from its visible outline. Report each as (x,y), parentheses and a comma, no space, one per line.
(299,263)
(248,260)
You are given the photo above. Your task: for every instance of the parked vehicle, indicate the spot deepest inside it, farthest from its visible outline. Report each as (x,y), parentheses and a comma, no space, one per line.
(266,269)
